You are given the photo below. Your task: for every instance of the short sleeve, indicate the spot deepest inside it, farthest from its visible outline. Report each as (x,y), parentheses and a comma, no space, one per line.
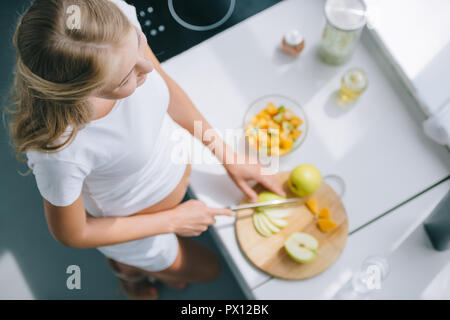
(59,182)
(129,11)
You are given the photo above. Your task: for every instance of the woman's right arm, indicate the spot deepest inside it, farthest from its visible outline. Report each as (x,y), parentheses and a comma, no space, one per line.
(72,227)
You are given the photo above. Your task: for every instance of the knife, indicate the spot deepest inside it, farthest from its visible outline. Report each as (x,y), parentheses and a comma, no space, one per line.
(263,204)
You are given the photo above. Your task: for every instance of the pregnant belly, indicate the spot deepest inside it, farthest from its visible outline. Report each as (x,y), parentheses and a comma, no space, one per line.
(174,198)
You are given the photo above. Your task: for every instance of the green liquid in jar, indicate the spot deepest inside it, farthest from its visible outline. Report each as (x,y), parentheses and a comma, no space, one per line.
(337,45)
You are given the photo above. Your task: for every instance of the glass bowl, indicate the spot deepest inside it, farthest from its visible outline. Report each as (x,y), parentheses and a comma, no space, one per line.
(279,100)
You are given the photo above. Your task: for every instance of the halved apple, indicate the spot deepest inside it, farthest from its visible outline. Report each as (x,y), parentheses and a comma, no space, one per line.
(268,223)
(262,229)
(302,247)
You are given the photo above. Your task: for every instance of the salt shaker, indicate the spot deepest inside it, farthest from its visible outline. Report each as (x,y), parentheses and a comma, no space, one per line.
(293,43)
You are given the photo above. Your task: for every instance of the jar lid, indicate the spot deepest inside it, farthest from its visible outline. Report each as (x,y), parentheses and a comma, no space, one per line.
(346,14)
(293,37)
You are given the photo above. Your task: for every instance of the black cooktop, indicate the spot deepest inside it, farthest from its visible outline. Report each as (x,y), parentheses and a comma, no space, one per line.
(173,26)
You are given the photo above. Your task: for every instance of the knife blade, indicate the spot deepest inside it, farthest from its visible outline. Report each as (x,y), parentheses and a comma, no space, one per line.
(263,204)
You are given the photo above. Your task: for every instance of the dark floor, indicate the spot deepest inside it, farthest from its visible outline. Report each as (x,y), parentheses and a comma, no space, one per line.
(23,231)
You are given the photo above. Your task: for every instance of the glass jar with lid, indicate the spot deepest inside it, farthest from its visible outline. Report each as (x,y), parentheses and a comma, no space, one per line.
(345,20)
(353,83)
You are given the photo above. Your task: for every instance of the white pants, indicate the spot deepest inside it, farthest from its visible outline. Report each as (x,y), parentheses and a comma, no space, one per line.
(154,253)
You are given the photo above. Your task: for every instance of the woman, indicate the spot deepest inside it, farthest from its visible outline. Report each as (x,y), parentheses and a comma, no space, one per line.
(93,113)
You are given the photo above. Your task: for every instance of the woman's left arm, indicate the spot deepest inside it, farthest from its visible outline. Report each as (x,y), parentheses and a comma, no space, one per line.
(240,169)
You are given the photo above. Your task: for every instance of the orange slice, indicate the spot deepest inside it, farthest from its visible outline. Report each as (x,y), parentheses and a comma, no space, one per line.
(271,108)
(296,121)
(312,205)
(326,225)
(324,214)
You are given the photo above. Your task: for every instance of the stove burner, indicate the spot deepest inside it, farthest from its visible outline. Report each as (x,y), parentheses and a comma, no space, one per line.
(173,31)
(187,13)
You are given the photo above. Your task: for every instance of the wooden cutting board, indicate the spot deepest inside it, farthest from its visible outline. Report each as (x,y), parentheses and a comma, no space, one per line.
(268,253)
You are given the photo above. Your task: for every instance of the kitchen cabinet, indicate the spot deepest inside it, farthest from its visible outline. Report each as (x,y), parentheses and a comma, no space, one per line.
(415,35)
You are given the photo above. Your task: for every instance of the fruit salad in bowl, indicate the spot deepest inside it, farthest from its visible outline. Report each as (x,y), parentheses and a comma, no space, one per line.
(275,125)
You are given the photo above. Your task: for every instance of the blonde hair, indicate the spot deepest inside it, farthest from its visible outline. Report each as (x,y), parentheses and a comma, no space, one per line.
(58,67)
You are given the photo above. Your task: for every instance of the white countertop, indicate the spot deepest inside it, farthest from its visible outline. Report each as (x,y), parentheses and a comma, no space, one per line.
(409,273)
(377,147)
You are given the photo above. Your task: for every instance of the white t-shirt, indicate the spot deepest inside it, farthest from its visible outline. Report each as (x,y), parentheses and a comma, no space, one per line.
(121,163)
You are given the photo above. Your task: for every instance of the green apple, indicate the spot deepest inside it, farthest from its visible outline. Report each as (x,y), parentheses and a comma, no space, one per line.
(268,196)
(262,229)
(302,247)
(304,180)
(269,220)
(264,220)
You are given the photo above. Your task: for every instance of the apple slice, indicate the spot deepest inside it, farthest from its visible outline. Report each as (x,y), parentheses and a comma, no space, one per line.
(277,213)
(301,247)
(280,223)
(273,228)
(262,229)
